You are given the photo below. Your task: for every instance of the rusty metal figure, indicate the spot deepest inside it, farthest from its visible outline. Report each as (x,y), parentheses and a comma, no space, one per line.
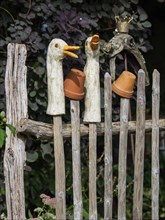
(122,41)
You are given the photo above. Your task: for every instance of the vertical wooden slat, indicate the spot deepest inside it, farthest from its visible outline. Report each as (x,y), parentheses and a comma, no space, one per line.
(108,160)
(155,144)
(76,162)
(59,168)
(139,148)
(92,171)
(124,109)
(16,108)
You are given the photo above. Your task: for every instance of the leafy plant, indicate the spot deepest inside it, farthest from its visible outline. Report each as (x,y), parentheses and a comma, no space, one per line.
(3,126)
(3,217)
(47,211)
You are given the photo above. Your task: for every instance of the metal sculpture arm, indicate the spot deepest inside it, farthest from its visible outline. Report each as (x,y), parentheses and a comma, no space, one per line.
(124,42)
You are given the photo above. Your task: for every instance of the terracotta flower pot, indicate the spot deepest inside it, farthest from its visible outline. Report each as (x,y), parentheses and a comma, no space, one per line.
(124,84)
(74,84)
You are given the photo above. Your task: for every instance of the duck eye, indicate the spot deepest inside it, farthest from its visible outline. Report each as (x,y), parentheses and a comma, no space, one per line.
(56,45)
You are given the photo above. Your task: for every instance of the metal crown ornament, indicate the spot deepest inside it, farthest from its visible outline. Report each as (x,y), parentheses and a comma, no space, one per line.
(122,25)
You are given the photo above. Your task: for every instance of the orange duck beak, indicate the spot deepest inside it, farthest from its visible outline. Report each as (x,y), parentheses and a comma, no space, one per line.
(71,54)
(95,42)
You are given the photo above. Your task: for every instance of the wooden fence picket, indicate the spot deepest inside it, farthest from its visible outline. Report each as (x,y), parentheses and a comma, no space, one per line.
(139,148)
(92,171)
(60,189)
(155,144)
(124,108)
(108,160)
(76,161)
(16,108)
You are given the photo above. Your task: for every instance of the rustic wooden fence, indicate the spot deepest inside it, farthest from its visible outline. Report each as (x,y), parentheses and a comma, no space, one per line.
(15,156)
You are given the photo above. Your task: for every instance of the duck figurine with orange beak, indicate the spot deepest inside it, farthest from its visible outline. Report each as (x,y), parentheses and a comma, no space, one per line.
(92,80)
(57,50)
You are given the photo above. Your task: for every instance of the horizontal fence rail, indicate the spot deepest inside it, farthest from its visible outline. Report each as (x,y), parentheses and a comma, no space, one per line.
(43,131)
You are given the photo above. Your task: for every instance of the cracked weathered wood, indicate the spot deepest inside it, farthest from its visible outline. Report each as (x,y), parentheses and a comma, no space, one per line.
(59,168)
(124,109)
(16,108)
(108,169)
(155,144)
(92,172)
(139,148)
(43,131)
(76,161)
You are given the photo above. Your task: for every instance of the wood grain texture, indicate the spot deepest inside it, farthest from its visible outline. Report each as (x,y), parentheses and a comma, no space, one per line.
(124,109)
(92,171)
(16,108)
(76,161)
(108,160)
(59,168)
(39,130)
(139,148)
(155,144)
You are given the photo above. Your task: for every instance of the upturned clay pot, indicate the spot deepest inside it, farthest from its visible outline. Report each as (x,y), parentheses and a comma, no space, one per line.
(74,84)
(124,84)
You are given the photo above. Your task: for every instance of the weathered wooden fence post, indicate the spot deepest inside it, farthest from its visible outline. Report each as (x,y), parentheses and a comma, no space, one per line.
(76,161)
(108,159)
(16,108)
(155,144)
(139,147)
(124,109)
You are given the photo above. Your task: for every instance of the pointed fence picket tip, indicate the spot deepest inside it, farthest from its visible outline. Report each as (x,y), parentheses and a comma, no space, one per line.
(107,75)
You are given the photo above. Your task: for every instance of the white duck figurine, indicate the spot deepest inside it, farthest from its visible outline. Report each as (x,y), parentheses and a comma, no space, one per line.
(92,80)
(57,50)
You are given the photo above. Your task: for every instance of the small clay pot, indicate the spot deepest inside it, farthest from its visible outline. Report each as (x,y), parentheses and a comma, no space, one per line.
(124,84)
(74,84)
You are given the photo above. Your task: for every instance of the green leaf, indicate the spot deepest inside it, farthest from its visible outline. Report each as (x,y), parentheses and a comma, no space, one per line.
(30,214)
(143,17)
(41,60)
(2,114)
(47,157)
(2,137)
(31,156)
(146,24)
(125,3)
(12,129)
(32,93)
(40,70)
(41,93)
(33,105)
(85,214)
(47,149)
(142,14)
